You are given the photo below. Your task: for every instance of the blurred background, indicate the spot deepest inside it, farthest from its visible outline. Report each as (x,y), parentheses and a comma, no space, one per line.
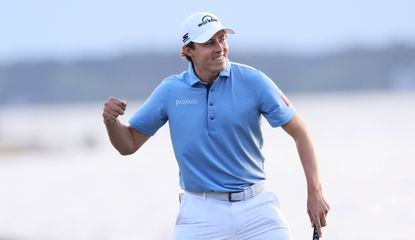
(347,66)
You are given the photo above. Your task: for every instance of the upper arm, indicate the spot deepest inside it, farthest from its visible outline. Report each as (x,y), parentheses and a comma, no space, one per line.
(273,104)
(152,114)
(295,127)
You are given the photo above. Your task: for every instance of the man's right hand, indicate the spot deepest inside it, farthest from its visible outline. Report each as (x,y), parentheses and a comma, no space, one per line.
(124,138)
(113,108)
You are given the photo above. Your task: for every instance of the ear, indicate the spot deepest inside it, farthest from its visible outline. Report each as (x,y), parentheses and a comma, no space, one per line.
(187,51)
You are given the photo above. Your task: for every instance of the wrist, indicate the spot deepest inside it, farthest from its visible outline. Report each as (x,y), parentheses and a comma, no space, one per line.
(314,189)
(110,122)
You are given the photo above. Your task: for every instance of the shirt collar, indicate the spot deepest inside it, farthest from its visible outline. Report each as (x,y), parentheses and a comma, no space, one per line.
(194,79)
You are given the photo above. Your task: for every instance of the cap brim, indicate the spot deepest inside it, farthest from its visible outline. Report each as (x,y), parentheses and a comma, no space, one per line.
(209,34)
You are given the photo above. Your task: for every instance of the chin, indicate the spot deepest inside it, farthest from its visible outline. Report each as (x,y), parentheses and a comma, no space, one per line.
(221,66)
(219,69)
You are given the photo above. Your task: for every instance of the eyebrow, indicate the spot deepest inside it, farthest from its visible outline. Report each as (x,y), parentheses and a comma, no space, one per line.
(219,36)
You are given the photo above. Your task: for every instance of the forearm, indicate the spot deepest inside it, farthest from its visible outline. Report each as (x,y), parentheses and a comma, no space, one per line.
(309,162)
(317,207)
(121,137)
(297,129)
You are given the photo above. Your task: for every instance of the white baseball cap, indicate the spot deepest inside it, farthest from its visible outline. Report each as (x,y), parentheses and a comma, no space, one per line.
(199,27)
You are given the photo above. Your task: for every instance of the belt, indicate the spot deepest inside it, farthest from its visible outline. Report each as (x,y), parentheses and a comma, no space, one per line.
(246,194)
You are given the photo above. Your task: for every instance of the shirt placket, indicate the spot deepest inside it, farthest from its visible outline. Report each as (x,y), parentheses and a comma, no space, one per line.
(211,107)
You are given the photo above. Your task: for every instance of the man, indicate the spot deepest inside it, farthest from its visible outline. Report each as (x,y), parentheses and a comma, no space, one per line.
(214,111)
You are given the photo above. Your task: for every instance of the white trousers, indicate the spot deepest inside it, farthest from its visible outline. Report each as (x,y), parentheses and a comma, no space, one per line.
(258,218)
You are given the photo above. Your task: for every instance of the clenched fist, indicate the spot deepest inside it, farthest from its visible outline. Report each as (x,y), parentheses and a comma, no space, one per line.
(113,108)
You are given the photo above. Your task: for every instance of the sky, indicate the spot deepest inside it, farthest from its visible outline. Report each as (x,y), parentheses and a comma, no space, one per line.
(71,29)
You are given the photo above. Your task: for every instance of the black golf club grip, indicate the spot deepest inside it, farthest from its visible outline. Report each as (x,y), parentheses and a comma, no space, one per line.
(315,233)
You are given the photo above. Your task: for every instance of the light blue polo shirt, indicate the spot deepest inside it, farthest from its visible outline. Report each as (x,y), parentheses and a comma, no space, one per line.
(215,130)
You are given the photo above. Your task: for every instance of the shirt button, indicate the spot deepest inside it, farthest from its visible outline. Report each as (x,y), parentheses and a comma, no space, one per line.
(211,104)
(211,118)
(211,90)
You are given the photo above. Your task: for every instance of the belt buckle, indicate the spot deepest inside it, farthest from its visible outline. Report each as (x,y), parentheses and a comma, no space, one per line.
(230,198)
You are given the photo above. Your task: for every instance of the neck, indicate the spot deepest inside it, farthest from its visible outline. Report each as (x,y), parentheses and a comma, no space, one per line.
(205,76)
(208,79)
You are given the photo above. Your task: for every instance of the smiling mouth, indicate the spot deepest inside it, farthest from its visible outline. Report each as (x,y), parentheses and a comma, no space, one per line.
(219,59)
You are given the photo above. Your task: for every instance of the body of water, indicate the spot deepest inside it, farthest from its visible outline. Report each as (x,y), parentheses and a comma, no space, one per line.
(60,179)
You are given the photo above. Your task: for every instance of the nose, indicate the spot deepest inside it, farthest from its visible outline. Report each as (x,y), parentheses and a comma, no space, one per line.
(219,46)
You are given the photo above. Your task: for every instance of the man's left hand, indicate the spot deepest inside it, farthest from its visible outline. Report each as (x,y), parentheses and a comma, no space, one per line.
(317,208)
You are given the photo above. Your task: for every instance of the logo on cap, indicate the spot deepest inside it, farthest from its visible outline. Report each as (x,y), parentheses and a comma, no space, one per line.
(207,19)
(185,37)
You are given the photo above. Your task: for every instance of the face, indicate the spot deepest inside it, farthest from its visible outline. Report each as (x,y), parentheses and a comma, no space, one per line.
(209,58)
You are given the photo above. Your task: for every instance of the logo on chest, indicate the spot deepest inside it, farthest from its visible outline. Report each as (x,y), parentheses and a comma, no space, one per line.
(186,101)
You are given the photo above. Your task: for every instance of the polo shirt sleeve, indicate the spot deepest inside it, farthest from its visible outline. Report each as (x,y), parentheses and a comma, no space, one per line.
(274,105)
(152,115)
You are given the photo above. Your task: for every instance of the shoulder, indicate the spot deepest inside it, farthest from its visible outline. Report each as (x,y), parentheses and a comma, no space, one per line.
(248,73)
(170,85)
(170,82)
(178,76)
(175,79)
(243,68)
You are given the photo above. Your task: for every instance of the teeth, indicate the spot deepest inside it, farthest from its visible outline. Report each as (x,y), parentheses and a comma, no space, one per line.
(218,58)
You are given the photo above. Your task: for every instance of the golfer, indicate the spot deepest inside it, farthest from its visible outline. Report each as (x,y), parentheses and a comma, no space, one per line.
(214,111)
